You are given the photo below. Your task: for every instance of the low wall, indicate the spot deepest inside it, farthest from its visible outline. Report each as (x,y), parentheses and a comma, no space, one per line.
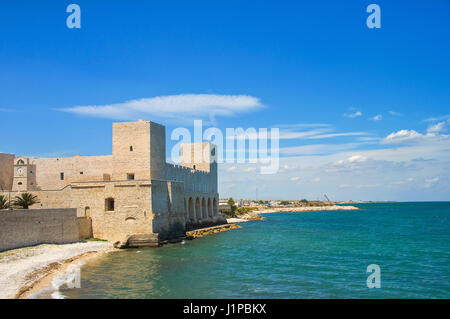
(27,227)
(85,227)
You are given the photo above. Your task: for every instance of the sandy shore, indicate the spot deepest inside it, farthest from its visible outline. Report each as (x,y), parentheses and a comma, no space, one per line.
(25,271)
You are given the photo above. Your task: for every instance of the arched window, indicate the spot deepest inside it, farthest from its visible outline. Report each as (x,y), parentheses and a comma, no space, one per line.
(131,148)
(20,162)
(109,204)
(87,211)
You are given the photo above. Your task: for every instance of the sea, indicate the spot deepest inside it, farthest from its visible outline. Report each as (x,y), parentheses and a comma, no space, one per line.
(323,254)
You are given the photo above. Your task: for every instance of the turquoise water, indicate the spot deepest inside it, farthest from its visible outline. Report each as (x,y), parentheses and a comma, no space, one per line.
(291,255)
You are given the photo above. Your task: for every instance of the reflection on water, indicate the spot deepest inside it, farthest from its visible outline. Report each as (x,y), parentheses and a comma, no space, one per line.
(303,255)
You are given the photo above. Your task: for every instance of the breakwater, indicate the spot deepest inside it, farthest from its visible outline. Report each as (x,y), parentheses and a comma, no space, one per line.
(210,230)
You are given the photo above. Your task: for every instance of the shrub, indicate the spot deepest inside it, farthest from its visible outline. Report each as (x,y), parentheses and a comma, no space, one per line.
(4,202)
(25,200)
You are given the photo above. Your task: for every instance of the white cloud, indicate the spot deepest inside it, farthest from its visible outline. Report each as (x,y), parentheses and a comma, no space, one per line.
(357,158)
(378,117)
(337,135)
(302,125)
(319,149)
(438,128)
(431,181)
(394,113)
(318,133)
(352,159)
(391,173)
(438,118)
(353,115)
(414,137)
(403,136)
(186,106)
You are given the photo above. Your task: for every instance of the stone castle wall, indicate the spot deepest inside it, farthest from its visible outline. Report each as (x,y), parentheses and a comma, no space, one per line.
(148,196)
(84,227)
(74,169)
(6,171)
(26,227)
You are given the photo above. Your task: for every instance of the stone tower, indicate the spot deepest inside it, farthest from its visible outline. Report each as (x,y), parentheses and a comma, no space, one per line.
(139,151)
(24,175)
(203,157)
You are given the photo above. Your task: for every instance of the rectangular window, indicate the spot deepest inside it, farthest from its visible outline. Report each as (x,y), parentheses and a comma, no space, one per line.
(109,204)
(130,176)
(61,176)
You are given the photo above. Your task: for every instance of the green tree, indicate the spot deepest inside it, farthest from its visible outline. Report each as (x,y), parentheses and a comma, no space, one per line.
(4,203)
(232,206)
(25,200)
(285,202)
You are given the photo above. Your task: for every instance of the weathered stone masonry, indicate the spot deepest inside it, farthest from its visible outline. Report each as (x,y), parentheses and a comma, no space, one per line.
(131,192)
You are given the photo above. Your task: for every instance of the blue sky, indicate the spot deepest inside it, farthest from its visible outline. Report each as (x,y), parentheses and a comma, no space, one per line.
(380,96)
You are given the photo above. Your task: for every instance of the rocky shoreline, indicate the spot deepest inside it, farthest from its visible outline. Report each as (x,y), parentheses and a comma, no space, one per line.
(306,209)
(256,215)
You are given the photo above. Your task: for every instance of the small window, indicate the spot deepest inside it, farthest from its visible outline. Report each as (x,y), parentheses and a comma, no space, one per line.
(31,172)
(19,183)
(130,176)
(20,162)
(131,148)
(109,204)
(194,166)
(61,176)
(81,173)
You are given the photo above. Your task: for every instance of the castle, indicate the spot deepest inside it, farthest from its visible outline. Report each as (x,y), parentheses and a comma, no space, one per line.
(134,191)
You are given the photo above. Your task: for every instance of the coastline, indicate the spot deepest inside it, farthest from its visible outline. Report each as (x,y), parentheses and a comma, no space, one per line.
(305,209)
(256,215)
(29,270)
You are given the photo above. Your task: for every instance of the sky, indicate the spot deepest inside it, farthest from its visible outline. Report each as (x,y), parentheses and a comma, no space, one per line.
(363,114)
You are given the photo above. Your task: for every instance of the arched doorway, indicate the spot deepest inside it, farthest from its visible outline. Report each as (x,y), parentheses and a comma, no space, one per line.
(204,208)
(191,209)
(210,210)
(198,209)
(215,209)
